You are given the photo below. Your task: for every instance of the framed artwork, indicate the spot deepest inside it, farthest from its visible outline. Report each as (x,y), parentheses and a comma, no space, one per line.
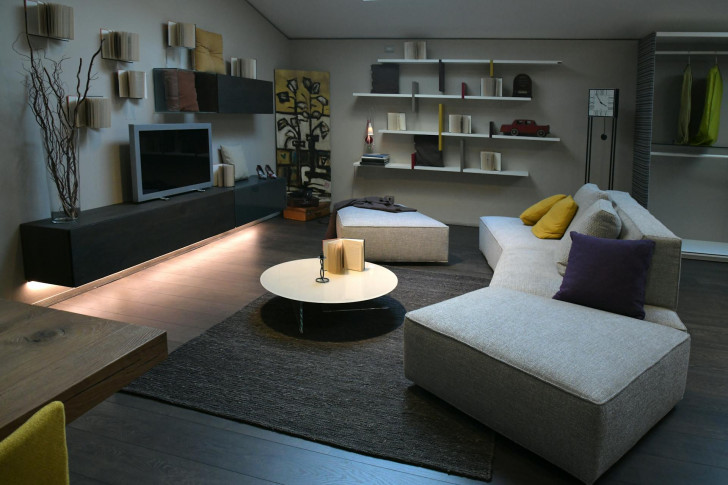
(303,129)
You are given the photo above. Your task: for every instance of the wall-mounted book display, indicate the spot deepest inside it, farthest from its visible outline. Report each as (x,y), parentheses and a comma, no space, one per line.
(95,112)
(132,84)
(244,68)
(49,20)
(119,46)
(181,34)
(415,49)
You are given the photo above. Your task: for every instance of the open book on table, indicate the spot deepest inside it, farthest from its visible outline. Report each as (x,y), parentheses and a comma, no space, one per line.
(343,254)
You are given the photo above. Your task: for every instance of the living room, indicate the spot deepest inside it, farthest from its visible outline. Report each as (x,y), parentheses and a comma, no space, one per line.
(587,54)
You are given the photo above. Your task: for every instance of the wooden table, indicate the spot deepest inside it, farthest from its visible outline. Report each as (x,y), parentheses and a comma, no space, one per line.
(51,355)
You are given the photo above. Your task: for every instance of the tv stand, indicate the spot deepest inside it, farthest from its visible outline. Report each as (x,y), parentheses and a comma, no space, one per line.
(109,239)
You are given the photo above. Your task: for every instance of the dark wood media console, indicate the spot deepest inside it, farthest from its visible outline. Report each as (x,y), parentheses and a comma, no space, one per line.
(109,239)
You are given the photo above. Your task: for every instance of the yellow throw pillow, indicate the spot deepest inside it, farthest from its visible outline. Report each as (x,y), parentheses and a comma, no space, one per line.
(554,223)
(208,52)
(532,215)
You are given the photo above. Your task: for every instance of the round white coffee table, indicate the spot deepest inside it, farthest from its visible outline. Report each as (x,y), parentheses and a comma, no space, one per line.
(296,280)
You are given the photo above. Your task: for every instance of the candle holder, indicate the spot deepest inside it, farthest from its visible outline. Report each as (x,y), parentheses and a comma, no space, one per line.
(322,278)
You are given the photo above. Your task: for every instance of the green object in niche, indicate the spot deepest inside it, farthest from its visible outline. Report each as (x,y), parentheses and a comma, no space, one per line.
(683,121)
(708,131)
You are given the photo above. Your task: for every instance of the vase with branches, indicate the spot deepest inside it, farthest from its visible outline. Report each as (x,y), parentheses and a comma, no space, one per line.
(58,122)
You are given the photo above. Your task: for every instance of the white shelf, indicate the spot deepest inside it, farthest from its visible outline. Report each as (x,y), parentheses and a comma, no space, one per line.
(397,166)
(530,138)
(437,169)
(434,133)
(467,61)
(511,173)
(441,96)
(705,250)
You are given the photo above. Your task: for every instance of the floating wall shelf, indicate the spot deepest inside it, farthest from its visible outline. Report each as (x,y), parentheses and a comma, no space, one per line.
(467,61)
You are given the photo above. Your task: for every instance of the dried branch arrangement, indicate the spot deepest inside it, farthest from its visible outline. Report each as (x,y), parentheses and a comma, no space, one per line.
(57,119)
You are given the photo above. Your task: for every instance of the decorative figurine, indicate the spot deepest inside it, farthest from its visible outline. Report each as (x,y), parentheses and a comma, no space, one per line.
(322,278)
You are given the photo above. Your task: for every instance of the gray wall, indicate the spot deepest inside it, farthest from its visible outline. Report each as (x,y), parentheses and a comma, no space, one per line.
(104,152)
(560,99)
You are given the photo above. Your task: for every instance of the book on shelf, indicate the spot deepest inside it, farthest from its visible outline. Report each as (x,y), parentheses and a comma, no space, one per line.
(374,159)
(120,46)
(181,34)
(460,123)
(50,20)
(415,49)
(396,121)
(94,112)
(463,90)
(132,84)
(490,161)
(240,67)
(343,254)
(491,86)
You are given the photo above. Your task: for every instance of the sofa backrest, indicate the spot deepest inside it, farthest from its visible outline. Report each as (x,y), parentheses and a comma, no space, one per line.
(663,278)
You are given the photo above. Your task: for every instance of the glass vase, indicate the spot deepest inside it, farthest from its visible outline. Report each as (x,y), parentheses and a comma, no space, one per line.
(64,199)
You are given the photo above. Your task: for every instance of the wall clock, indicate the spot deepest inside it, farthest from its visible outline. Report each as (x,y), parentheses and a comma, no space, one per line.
(603,102)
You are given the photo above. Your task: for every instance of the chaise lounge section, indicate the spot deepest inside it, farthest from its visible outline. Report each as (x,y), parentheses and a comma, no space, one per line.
(577,385)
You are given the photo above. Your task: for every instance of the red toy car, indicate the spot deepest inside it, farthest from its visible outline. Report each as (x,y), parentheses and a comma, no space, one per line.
(526,128)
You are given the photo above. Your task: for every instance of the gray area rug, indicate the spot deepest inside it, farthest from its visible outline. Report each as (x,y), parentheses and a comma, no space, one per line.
(340,383)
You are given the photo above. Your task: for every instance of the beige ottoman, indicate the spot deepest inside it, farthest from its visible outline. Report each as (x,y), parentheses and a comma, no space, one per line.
(395,236)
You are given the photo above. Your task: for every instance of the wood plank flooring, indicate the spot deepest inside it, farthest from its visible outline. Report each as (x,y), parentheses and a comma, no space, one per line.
(128,439)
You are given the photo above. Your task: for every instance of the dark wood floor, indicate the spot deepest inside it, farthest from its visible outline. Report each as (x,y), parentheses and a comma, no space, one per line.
(128,439)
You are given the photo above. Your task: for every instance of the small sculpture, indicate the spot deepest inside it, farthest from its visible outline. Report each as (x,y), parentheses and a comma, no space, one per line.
(322,278)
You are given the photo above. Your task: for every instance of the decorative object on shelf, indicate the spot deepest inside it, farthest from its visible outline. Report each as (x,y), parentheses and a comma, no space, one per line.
(269,172)
(491,86)
(92,112)
(174,90)
(208,52)
(369,137)
(440,109)
(460,123)
(49,20)
(303,125)
(707,133)
(322,278)
(441,76)
(522,86)
(525,128)
(415,49)
(683,122)
(376,159)
(261,173)
(59,130)
(490,161)
(119,46)
(603,103)
(228,175)
(427,151)
(181,34)
(244,68)
(234,155)
(385,78)
(132,84)
(396,121)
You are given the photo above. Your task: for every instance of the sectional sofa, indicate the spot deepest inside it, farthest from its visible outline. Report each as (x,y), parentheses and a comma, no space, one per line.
(577,385)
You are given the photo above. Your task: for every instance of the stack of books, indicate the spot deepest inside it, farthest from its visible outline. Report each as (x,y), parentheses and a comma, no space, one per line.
(380,159)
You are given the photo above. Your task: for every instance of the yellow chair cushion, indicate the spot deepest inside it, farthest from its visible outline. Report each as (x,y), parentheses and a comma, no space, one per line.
(532,215)
(208,52)
(36,452)
(554,223)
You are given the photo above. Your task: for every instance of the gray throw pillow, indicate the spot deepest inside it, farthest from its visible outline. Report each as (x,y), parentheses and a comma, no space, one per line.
(598,220)
(587,195)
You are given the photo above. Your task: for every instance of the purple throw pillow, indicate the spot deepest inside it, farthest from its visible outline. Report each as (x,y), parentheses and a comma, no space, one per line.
(608,274)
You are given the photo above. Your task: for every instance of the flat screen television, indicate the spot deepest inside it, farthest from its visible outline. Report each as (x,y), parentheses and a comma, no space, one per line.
(169,159)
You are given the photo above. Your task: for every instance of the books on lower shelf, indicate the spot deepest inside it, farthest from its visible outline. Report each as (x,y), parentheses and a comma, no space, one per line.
(132,84)
(490,161)
(380,159)
(460,124)
(181,34)
(343,254)
(396,121)
(243,68)
(491,86)
(119,46)
(50,19)
(415,49)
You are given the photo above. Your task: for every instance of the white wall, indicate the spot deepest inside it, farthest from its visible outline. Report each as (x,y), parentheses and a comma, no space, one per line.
(104,152)
(560,99)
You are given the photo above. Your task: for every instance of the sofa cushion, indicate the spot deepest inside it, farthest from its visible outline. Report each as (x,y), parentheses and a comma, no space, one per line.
(608,274)
(588,194)
(532,215)
(234,155)
(598,220)
(554,223)
(530,270)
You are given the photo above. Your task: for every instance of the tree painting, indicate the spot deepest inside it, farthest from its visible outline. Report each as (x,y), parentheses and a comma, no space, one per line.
(303,124)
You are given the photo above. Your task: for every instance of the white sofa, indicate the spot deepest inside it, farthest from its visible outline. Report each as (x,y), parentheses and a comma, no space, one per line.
(576,385)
